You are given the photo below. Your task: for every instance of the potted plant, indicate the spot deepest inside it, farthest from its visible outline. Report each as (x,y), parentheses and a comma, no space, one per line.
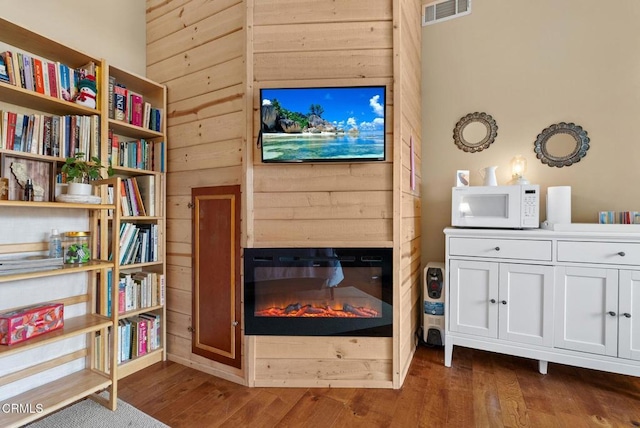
(81,172)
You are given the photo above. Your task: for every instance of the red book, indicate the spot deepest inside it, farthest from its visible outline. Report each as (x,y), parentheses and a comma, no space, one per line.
(38,77)
(137,107)
(53,79)
(142,336)
(11,129)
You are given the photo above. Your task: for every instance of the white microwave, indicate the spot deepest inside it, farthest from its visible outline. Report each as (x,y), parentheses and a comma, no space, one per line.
(514,207)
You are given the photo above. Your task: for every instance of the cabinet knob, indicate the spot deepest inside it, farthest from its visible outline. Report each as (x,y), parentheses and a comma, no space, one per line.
(492,300)
(235,323)
(497,248)
(621,253)
(504,302)
(626,315)
(613,314)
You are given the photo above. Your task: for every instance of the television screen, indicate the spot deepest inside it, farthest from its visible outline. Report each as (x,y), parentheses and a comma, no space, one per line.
(331,124)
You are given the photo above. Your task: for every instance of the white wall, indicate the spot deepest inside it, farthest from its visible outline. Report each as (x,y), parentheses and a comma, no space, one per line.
(111,29)
(531,64)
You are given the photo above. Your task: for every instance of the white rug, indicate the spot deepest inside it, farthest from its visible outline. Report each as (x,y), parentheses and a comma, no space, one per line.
(88,413)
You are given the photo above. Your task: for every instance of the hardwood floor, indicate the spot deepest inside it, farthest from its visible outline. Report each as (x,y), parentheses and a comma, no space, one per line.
(482,389)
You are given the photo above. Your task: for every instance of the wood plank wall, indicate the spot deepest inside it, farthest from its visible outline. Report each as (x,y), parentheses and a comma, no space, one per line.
(199,49)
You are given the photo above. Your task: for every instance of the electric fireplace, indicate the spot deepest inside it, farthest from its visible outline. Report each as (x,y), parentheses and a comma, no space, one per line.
(318,291)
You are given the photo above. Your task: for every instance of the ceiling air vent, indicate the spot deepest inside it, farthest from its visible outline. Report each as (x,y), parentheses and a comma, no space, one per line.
(445,9)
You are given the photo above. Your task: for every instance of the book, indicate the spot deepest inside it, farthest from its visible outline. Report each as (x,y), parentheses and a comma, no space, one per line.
(138,195)
(38,77)
(27,64)
(147,189)
(146,122)
(137,106)
(64,84)
(19,131)
(8,57)
(46,135)
(4,72)
(12,119)
(119,102)
(112,84)
(4,123)
(55,136)
(53,79)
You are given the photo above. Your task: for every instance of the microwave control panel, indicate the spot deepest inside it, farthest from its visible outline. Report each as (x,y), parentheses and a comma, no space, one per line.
(530,203)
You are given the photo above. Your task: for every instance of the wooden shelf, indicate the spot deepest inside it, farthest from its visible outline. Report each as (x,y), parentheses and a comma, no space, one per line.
(139,363)
(66,269)
(120,127)
(68,390)
(72,327)
(56,205)
(139,311)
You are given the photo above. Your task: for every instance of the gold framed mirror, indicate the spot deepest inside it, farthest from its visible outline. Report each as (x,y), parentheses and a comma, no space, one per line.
(561,144)
(475,132)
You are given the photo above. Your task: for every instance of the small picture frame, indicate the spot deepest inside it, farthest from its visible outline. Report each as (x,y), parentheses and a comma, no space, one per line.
(17,169)
(462,178)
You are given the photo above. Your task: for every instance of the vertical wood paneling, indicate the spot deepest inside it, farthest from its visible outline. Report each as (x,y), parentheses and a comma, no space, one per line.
(214,57)
(196,48)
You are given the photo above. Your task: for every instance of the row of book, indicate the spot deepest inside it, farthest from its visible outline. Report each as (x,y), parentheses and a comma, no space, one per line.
(136,290)
(622,217)
(138,243)
(60,136)
(138,336)
(50,78)
(129,106)
(137,154)
(137,196)
(139,290)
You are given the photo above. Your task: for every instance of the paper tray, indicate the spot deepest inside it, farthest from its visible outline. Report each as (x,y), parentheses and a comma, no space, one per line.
(589,227)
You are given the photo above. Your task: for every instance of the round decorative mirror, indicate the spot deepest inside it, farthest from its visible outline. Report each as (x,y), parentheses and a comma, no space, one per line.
(475,132)
(561,144)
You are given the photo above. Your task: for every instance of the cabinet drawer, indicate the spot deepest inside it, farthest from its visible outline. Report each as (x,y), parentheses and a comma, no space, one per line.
(619,253)
(502,248)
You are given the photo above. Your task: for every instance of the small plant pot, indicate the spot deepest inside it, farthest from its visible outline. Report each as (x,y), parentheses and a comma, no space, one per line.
(83,189)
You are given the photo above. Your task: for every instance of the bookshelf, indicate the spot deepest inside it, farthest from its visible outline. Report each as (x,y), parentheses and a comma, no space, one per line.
(95,316)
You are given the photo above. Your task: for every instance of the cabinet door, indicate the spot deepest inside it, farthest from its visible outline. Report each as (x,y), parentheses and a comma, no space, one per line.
(216,272)
(629,315)
(584,299)
(472,287)
(526,304)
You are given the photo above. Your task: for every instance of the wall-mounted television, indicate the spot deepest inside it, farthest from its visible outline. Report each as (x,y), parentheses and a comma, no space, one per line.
(323,124)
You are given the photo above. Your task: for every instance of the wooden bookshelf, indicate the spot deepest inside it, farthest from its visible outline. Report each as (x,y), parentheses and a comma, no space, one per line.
(101,370)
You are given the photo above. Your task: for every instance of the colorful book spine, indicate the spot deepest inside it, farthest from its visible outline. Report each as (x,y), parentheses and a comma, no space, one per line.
(65,83)
(38,76)
(53,79)
(120,102)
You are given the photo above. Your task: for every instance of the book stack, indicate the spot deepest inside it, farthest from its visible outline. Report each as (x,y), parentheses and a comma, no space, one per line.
(50,135)
(50,78)
(11,266)
(130,107)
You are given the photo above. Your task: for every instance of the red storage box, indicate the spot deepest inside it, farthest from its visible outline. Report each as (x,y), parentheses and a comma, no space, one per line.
(22,324)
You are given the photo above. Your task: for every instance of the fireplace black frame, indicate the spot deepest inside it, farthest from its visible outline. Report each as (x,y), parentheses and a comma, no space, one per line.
(303,326)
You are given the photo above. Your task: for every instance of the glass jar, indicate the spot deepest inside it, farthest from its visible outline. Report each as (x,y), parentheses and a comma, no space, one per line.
(76,247)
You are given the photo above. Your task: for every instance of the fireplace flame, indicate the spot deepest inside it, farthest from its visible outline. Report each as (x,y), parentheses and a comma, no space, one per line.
(299,310)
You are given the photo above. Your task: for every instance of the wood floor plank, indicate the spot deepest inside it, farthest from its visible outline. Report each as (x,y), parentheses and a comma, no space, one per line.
(481,389)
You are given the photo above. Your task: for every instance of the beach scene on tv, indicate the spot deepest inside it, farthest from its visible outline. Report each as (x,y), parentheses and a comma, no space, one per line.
(323,124)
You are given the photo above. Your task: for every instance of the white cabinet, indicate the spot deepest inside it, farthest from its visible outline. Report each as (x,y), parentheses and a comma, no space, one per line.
(594,311)
(554,296)
(586,309)
(629,315)
(502,300)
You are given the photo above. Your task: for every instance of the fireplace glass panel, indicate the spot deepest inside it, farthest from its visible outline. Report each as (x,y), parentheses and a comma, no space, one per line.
(318,291)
